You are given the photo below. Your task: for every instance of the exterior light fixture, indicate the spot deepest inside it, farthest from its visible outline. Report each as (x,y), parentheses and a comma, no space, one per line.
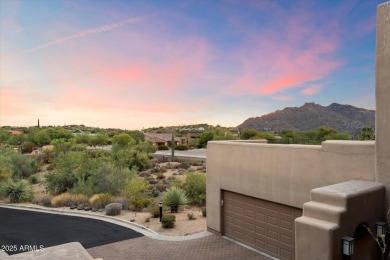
(380,228)
(347,243)
(160,205)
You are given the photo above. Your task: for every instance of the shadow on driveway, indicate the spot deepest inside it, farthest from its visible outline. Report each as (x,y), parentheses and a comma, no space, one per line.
(24,230)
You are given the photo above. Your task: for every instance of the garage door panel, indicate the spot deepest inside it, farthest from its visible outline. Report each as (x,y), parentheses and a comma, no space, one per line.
(273,220)
(261,244)
(288,240)
(249,213)
(264,225)
(273,235)
(273,249)
(285,254)
(260,216)
(261,230)
(286,224)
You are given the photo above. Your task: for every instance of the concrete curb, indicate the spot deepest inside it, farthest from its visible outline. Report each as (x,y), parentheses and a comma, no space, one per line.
(134,226)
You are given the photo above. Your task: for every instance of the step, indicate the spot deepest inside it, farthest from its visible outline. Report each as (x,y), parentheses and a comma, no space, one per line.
(322,211)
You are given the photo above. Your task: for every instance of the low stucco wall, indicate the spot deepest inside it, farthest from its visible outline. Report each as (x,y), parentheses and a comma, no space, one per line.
(282,173)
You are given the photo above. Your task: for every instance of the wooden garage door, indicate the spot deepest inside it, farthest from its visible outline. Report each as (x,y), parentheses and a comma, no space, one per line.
(263,225)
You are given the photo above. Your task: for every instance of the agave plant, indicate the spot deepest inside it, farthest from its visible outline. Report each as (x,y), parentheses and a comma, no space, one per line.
(15,191)
(175,197)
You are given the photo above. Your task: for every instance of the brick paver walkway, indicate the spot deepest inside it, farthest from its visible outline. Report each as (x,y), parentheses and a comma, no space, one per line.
(211,247)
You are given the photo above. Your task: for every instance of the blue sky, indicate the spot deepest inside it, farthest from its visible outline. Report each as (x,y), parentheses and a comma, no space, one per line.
(134,64)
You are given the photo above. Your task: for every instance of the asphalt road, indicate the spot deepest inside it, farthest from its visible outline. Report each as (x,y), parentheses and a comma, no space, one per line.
(23,230)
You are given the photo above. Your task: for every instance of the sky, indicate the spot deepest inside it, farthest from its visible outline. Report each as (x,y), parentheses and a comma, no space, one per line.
(136,64)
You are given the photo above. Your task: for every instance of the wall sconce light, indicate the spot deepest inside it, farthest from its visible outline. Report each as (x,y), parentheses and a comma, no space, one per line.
(347,243)
(380,228)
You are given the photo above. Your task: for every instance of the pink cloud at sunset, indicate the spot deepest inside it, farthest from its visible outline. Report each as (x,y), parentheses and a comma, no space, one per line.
(298,54)
(311,90)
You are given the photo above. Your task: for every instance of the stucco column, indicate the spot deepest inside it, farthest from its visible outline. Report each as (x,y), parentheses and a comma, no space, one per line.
(382,92)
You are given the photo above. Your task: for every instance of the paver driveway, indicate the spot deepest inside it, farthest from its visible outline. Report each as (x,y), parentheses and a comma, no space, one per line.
(210,247)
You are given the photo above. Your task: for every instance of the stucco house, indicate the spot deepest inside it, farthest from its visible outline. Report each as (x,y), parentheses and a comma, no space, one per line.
(163,139)
(307,202)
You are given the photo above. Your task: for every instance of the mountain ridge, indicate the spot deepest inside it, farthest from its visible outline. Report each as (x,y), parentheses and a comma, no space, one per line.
(310,116)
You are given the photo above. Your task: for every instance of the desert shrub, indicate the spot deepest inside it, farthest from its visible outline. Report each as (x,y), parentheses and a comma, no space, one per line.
(181,147)
(175,197)
(5,174)
(141,203)
(161,187)
(194,186)
(147,219)
(185,166)
(104,179)
(145,174)
(67,200)
(162,170)
(123,201)
(134,189)
(23,166)
(162,148)
(152,181)
(15,191)
(33,179)
(190,216)
(113,209)
(153,191)
(154,209)
(57,183)
(44,200)
(99,201)
(50,167)
(168,221)
(204,211)
(160,176)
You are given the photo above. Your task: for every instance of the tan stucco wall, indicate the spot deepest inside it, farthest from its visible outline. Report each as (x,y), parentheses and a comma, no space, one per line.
(382,88)
(282,173)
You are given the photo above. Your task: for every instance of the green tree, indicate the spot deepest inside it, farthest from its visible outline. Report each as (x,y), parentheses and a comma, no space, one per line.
(137,136)
(248,133)
(122,140)
(62,145)
(99,139)
(367,133)
(194,186)
(204,138)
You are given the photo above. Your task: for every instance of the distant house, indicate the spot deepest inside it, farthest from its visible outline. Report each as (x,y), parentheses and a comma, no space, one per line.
(191,137)
(15,132)
(164,139)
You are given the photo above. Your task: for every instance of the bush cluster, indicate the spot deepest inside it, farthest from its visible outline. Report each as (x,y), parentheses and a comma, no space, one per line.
(181,147)
(113,209)
(162,148)
(191,216)
(194,186)
(99,201)
(168,221)
(67,200)
(204,211)
(154,209)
